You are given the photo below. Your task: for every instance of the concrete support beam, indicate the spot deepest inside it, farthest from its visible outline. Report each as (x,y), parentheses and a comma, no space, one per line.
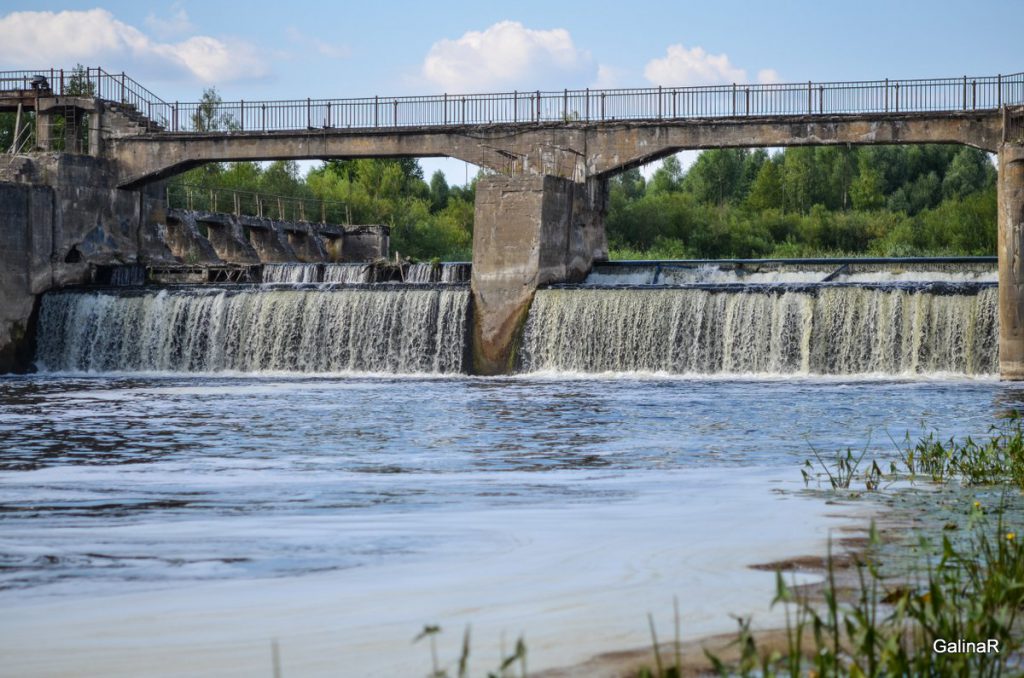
(529,231)
(308,246)
(271,244)
(1011,262)
(231,240)
(188,243)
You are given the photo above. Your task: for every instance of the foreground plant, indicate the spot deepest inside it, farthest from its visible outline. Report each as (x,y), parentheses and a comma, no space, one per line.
(915,622)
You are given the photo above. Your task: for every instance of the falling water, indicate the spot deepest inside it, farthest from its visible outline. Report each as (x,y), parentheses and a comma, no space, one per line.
(347,273)
(455,272)
(420,273)
(128,276)
(291,273)
(252,330)
(769,329)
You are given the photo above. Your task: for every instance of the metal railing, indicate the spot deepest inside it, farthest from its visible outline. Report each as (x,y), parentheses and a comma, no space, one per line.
(194,197)
(655,103)
(113,87)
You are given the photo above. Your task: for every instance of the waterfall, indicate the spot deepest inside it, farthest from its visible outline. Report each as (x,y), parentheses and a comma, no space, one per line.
(251,329)
(455,272)
(128,276)
(420,273)
(772,329)
(348,273)
(291,273)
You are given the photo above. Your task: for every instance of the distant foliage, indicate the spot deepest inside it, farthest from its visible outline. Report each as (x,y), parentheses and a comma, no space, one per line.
(881,201)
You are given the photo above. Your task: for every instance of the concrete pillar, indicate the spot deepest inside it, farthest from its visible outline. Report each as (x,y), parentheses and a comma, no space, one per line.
(96,130)
(528,231)
(44,133)
(1011,261)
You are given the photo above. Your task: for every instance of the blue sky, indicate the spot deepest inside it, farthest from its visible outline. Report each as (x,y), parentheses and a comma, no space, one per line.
(275,50)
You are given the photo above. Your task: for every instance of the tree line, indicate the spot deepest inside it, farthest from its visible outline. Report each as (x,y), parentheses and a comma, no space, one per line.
(808,201)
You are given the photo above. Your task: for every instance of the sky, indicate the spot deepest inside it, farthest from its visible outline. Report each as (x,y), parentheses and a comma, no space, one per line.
(296,49)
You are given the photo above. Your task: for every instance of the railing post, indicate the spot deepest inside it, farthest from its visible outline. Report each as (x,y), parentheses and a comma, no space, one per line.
(587,105)
(675,104)
(328,124)
(175,117)
(309,114)
(122,87)
(999,91)
(263,117)
(887,95)
(897,96)
(565,105)
(241,116)
(463,110)
(659,102)
(62,82)
(446,108)
(602,105)
(538,105)
(734,100)
(515,106)
(376,109)
(965,92)
(748,101)
(821,98)
(810,108)
(395,116)
(974,95)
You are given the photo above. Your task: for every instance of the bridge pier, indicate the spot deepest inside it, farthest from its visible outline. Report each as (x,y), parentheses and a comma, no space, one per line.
(1011,261)
(529,230)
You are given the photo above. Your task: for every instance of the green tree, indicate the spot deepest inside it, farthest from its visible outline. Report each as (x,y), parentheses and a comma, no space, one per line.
(210,114)
(667,178)
(767,192)
(438,191)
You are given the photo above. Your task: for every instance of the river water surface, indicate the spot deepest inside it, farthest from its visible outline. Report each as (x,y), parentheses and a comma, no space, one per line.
(178,524)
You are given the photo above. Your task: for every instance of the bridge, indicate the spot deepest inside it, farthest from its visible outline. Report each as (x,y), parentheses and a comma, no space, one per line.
(539,215)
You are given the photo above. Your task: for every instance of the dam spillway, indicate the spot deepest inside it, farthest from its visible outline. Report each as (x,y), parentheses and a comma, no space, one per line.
(330,318)
(765,329)
(250,329)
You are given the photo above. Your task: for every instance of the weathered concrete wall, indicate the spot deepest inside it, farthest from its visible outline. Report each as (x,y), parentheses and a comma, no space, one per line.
(270,243)
(1011,261)
(366,243)
(188,242)
(308,246)
(528,231)
(228,237)
(26,235)
(53,234)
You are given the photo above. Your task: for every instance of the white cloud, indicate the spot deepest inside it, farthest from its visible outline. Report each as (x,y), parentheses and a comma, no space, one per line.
(174,25)
(96,37)
(681,66)
(768,76)
(504,56)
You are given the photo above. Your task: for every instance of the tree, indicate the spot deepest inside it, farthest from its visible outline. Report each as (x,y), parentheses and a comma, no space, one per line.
(667,178)
(970,171)
(766,192)
(438,191)
(210,115)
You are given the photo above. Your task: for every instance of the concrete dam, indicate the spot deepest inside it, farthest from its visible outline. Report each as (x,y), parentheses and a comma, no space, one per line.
(95,199)
(917,322)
